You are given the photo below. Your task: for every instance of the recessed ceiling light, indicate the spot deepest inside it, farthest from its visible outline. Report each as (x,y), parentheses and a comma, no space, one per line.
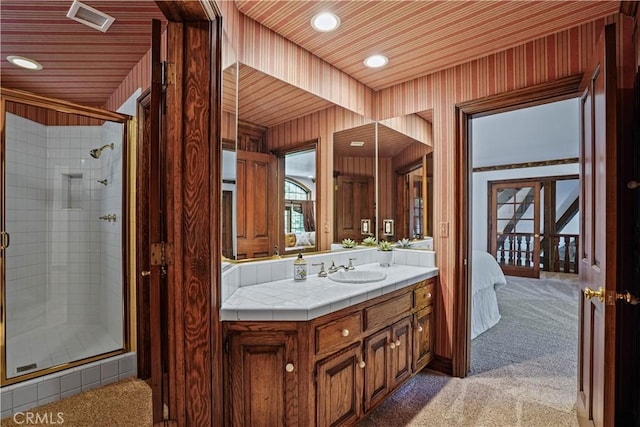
(24,62)
(376,61)
(357,143)
(325,21)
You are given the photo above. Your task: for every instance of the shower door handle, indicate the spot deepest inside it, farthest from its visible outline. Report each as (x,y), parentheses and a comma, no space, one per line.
(6,240)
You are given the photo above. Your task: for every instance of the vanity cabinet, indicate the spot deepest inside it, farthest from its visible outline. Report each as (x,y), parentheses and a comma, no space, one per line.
(331,370)
(339,380)
(263,378)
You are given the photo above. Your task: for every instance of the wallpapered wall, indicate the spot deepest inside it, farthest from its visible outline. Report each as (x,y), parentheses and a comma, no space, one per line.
(559,55)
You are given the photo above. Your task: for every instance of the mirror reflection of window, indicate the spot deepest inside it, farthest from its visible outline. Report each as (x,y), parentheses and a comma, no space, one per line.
(299,200)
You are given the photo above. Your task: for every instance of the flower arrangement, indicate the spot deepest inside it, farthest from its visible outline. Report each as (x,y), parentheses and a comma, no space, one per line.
(385,246)
(348,243)
(369,241)
(403,243)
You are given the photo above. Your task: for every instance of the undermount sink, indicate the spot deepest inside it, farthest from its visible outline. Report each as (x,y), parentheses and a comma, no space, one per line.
(357,276)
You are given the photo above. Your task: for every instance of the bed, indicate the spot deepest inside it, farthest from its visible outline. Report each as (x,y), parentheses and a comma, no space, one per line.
(486,274)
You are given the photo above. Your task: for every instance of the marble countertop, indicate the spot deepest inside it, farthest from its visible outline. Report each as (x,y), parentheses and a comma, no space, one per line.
(316,296)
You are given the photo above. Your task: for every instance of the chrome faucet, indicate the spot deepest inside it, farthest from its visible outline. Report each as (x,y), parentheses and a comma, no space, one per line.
(322,272)
(335,268)
(350,266)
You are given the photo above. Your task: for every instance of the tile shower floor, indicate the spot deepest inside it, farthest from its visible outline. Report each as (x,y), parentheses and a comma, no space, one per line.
(48,346)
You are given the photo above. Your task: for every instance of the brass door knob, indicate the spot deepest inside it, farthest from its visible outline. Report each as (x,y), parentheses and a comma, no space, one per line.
(590,293)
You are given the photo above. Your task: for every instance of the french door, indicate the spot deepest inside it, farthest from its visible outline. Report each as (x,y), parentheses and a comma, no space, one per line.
(514,227)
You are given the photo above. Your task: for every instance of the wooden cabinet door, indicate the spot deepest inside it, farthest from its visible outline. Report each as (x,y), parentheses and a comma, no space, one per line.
(422,336)
(263,379)
(339,388)
(401,353)
(376,374)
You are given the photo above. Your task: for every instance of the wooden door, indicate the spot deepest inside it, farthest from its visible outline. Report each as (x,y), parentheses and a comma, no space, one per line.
(263,370)
(376,374)
(422,334)
(257,206)
(599,227)
(354,201)
(151,230)
(514,227)
(402,353)
(339,388)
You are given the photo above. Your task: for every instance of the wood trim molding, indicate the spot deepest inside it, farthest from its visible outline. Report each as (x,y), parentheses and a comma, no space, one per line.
(556,90)
(441,364)
(629,8)
(527,165)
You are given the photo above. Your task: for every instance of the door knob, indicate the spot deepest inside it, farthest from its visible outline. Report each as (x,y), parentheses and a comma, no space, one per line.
(145,273)
(590,293)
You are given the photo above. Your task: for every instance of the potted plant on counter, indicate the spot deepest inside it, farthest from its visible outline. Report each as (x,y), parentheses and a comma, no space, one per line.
(385,253)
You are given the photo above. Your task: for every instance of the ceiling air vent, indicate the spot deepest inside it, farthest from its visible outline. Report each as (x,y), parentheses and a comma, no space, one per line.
(89,16)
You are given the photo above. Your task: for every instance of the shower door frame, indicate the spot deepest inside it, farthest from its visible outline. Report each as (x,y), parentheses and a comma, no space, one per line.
(128,139)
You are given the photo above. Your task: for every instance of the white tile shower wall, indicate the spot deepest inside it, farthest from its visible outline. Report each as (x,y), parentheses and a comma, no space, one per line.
(29,394)
(74,228)
(26,214)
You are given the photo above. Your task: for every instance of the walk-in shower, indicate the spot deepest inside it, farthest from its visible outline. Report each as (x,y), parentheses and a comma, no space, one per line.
(63,282)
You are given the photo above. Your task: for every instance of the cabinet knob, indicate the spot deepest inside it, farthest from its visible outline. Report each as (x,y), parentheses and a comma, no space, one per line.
(145,273)
(398,343)
(289,367)
(361,364)
(392,345)
(429,295)
(419,328)
(345,332)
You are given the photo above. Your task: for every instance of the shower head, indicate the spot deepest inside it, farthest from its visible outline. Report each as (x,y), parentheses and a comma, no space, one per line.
(97,152)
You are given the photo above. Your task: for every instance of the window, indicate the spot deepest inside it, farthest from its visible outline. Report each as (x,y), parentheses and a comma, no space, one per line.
(294,192)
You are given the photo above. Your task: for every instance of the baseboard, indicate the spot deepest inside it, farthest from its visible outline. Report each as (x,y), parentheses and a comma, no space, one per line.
(441,364)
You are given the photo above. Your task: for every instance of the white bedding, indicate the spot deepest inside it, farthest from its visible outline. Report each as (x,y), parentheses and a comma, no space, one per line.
(485,275)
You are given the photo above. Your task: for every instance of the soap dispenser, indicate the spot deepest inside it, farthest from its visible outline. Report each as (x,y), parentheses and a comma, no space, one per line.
(300,268)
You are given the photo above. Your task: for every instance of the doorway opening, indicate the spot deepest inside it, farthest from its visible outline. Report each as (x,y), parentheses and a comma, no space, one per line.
(523,191)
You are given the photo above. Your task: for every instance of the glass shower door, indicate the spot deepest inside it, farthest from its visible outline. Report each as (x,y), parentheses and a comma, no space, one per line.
(63,288)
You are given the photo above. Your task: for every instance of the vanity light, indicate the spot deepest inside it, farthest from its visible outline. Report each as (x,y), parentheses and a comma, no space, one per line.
(376,61)
(325,22)
(24,62)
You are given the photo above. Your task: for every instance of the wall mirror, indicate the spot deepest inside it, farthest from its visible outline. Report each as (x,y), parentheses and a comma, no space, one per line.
(354,174)
(383,171)
(299,197)
(228,131)
(405,177)
(269,159)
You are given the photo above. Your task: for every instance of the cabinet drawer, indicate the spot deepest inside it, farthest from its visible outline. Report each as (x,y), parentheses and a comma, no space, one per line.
(338,333)
(387,312)
(424,294)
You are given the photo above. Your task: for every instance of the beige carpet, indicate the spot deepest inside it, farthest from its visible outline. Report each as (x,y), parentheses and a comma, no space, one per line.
(523,370)
(126,403)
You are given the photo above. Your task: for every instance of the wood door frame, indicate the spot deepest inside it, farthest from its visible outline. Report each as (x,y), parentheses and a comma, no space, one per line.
(193,193)
(556,90)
